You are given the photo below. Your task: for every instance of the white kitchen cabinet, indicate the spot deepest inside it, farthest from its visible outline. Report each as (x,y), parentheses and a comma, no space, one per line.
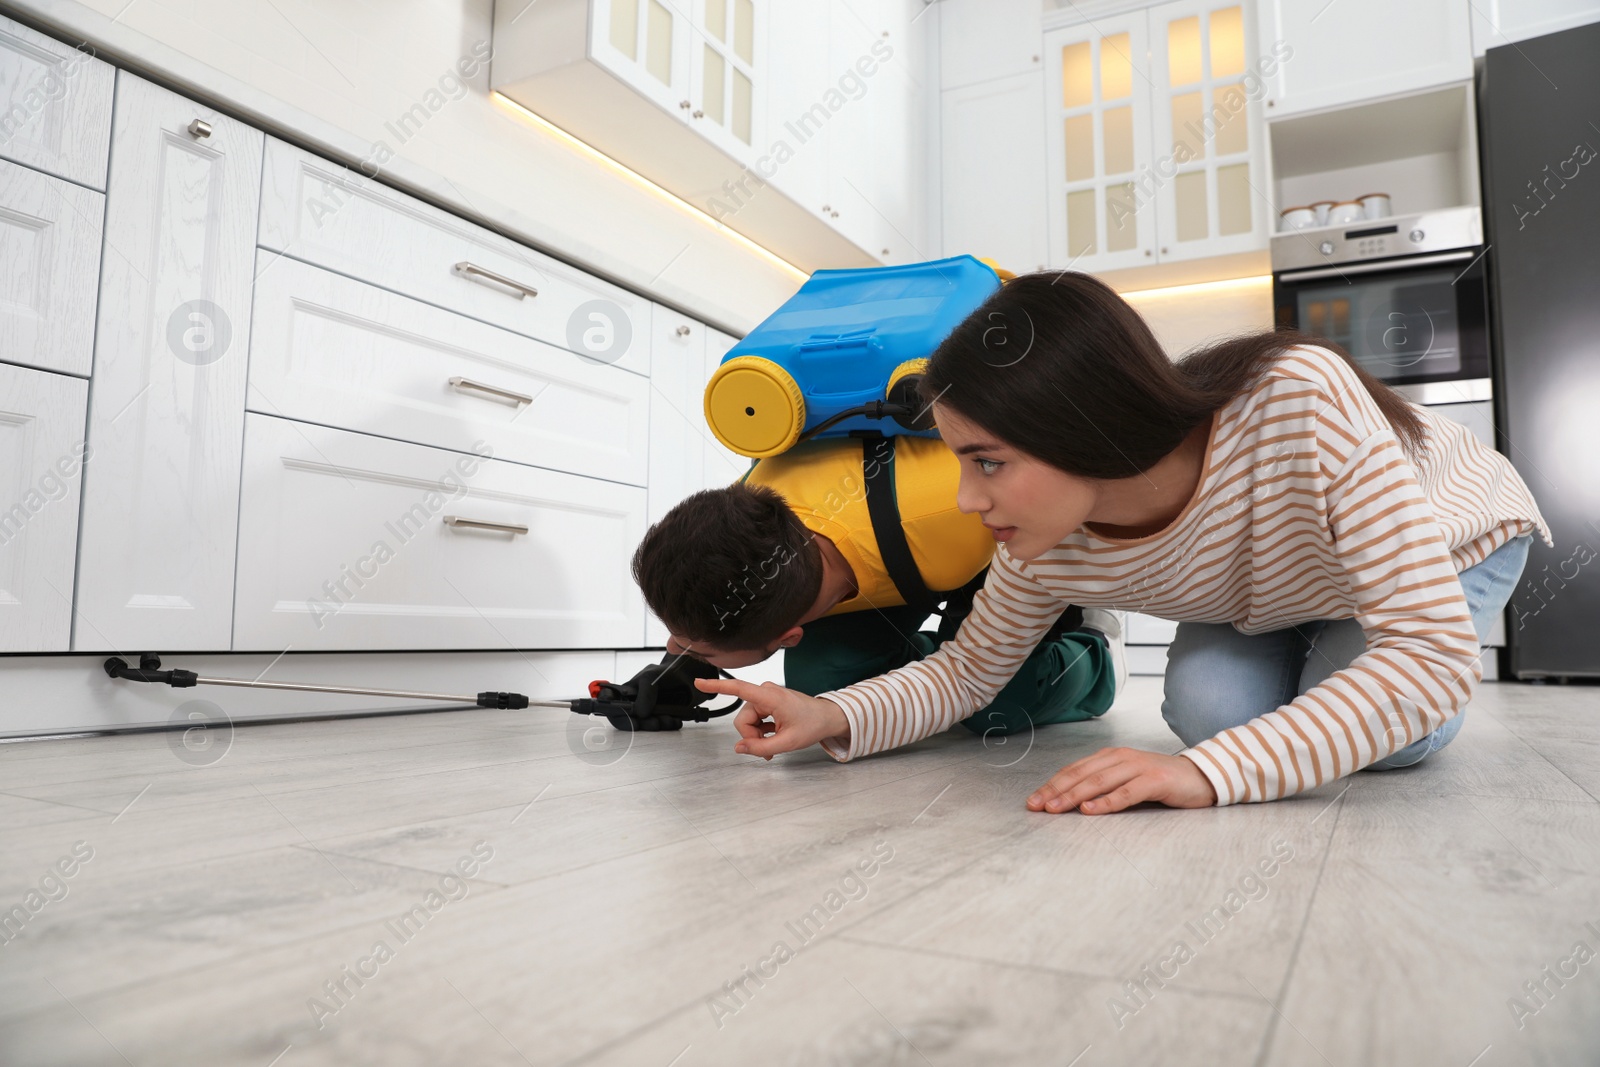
(1499,22)
(853,152)
(722,465)
(980,40)
(1360,50)
(41,464)
(697,60)
(728,85)
(354,542)
(677,422)
(1155,139)
(901,155)
(331,350)
(877,139)
(993,172)
(797,118)
(166,414)
(1098,138)
(1208,124)
(57,106)
(49,270)
(320,212)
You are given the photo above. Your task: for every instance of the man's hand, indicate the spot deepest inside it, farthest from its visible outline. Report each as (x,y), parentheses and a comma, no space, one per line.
(1117,778)
(793,719)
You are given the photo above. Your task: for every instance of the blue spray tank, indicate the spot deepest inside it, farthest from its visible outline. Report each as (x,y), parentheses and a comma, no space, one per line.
(843,354)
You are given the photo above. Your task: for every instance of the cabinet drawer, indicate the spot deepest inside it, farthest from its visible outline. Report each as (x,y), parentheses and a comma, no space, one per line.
(55,106)
(344,544)
(324,214)
(41,465)
(49,270)
(327,349)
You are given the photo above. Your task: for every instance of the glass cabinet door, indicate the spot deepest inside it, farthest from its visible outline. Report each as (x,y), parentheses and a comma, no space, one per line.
(1097,103)
(723,73)
(1207,129)
(647,44)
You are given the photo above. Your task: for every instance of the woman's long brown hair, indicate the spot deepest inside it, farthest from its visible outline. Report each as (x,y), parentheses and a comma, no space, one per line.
(1061,367)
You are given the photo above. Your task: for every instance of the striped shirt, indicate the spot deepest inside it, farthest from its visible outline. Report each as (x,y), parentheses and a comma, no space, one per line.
(1307,508)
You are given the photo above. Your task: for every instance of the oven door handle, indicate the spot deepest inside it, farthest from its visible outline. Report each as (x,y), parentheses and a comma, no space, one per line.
(1373,268)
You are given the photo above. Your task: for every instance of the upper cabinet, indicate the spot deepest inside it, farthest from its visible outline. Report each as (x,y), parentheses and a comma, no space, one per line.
(696,60)
(980,40)
(1335,54)
(1153,137)
(814,146)
(1498,22)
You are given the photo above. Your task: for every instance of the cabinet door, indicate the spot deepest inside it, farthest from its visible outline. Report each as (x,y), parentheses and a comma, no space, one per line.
(1097,123)
(354,542)
(990,140)
(166,419)
(900,146)
(41,460)
(1361,49)
(727,86)
(55,106)
(723,466)
(646,43)
(49,270)
(984,39)
(677,426)
(853,154)
(1206,131)
(798,78)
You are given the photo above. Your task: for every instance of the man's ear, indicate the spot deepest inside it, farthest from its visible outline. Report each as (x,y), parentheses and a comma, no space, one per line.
(791,637)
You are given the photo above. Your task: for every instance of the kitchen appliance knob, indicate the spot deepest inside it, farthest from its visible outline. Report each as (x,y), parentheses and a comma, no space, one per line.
(1326,248)
(1416,236)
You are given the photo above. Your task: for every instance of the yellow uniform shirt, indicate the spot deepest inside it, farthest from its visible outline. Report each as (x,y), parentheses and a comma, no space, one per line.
(823,483)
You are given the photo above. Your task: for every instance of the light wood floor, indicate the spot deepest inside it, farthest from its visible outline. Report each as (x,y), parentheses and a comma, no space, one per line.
(627,891)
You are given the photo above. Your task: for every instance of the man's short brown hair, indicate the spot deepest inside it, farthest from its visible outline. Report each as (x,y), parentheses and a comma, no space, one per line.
(732,568)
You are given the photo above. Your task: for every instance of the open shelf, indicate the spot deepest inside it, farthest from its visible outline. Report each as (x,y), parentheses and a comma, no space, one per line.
(1421,149)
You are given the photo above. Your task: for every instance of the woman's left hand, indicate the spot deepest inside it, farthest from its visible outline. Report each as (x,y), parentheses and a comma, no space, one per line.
(1117,778)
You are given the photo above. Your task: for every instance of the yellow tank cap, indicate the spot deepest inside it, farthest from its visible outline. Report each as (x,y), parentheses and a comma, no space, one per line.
(910,366)
(754,407)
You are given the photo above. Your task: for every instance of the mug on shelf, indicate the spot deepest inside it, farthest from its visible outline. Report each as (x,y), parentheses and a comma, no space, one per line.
(1374,205)
(1344,213)
(1296,218)
(1322,207)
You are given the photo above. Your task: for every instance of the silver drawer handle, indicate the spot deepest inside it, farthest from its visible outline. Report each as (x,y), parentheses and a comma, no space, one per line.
(199,129)
(467,384)
(472,270)
(485,524)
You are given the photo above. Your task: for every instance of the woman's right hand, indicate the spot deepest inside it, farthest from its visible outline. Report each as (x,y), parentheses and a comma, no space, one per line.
(793,719)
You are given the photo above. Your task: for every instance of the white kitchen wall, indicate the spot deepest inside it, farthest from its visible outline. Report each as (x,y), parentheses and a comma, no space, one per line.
(1187,316)
(344,78)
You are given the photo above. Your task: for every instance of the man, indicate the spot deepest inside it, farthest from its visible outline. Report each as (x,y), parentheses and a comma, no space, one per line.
(838,551)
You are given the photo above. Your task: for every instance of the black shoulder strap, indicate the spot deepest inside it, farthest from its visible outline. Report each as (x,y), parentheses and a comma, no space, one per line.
(877,468)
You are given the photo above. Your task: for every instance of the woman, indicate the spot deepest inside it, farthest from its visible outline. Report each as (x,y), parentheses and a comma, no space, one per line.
(1333,554)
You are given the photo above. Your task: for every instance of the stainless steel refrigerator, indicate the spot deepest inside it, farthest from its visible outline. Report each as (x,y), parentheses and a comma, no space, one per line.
(1539,118)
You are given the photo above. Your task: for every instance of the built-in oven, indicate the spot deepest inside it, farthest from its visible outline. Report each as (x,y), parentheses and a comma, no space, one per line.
(1406,296)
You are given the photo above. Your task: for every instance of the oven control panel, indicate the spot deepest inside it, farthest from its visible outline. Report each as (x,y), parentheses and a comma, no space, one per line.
(1400,235)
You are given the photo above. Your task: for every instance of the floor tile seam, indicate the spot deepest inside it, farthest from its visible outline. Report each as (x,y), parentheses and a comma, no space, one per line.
(1299,940)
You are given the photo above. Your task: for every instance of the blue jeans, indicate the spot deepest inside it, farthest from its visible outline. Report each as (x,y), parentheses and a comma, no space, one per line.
(1218,678)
